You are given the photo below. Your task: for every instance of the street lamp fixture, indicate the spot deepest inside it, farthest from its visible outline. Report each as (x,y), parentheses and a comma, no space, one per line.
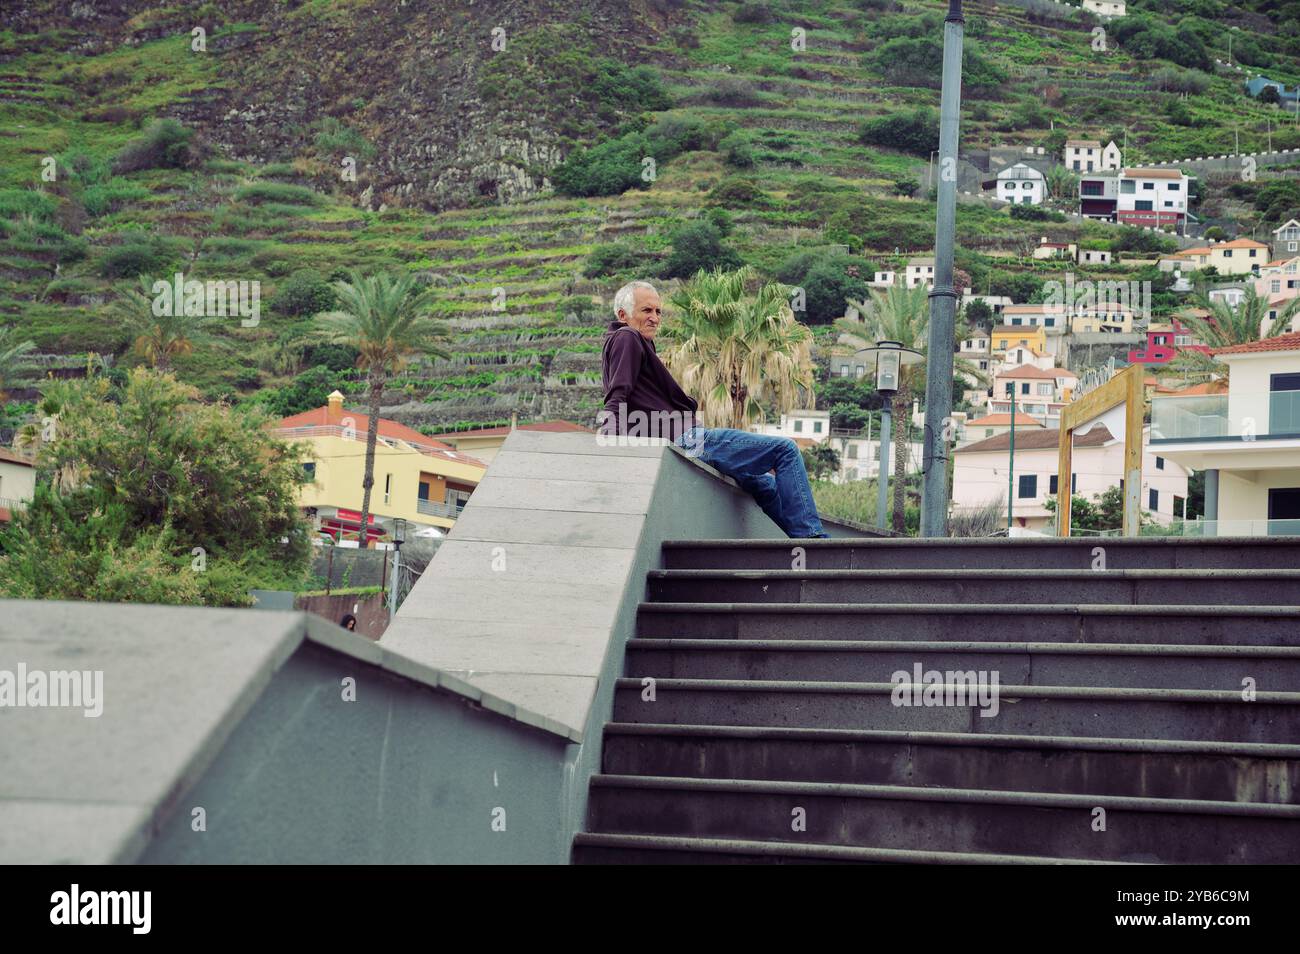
(891,358)
(399,537)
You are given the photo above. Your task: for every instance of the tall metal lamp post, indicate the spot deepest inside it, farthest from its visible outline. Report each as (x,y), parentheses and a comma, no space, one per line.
(891,358)
(943,298)
(399,537)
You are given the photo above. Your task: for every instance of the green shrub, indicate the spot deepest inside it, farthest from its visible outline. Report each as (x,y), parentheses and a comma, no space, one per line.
(334,138)
(1035,213)
(699,246)
(738,150)
(137,256)
(739,193)
(27,202)
(918,61)
(166,144)
(753,13)
(916,131)
(303,294)
(611,259)
(105,197)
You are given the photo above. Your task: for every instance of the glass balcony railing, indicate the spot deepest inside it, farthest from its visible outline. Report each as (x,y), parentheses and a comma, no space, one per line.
(1244,416)
(1201,528)
(436,508)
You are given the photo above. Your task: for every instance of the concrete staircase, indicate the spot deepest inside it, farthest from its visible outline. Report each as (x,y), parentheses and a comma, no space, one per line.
(756,721)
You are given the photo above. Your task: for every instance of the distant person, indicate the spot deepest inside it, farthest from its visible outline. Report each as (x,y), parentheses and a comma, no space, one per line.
(350,622)
(642,399)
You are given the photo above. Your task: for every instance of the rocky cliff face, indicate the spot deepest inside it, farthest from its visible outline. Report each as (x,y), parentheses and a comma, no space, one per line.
(403,75)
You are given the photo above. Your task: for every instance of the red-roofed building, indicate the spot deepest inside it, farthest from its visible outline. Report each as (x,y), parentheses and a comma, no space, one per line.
(416,478)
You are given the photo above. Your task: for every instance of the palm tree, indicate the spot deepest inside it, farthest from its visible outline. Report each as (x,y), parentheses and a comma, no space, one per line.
(737,351)
(1226,325)
(903,315)
(385,317)
(158,337)
(12,347)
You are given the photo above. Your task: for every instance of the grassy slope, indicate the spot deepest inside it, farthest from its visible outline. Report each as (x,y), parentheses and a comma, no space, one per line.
(54,103)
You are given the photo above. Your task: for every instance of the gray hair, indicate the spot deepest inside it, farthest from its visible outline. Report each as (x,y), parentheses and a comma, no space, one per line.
(625,297)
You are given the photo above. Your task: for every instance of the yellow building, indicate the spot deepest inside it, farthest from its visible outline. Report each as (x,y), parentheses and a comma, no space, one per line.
(1239,257)
(484,442)
(1027,336)
(417,478)
(1102,320)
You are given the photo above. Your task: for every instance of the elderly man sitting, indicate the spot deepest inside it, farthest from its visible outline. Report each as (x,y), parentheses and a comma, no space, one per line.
(643,399)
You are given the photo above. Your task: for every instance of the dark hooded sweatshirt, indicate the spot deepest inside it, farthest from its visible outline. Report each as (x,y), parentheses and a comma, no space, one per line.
(634,376)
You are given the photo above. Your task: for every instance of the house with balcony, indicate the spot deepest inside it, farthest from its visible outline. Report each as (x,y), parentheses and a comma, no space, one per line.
(1247,440)
(423,481)
(1022,185)
(984,471)
(1089,155)
(1286,240)
(17,483)
(1145,198)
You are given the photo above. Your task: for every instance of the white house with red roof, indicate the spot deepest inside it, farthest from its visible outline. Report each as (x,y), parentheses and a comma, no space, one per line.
(1247,440)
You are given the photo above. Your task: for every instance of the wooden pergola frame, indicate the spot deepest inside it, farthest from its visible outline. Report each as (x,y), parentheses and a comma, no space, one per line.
(1124,388)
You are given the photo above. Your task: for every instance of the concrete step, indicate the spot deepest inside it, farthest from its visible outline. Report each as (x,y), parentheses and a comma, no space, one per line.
(1128,665)
(1072,553)
(1217,771)
(1235,587)
(594,848)
(1022,710)
(1184,624)
(1148,830)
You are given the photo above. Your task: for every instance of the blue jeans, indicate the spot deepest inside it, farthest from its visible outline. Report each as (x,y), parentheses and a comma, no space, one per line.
(747,457)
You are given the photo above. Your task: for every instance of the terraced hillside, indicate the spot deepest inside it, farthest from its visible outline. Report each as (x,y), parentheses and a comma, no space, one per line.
(455,144)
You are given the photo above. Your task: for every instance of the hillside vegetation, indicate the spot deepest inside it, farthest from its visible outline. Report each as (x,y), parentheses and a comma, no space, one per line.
(516,179)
